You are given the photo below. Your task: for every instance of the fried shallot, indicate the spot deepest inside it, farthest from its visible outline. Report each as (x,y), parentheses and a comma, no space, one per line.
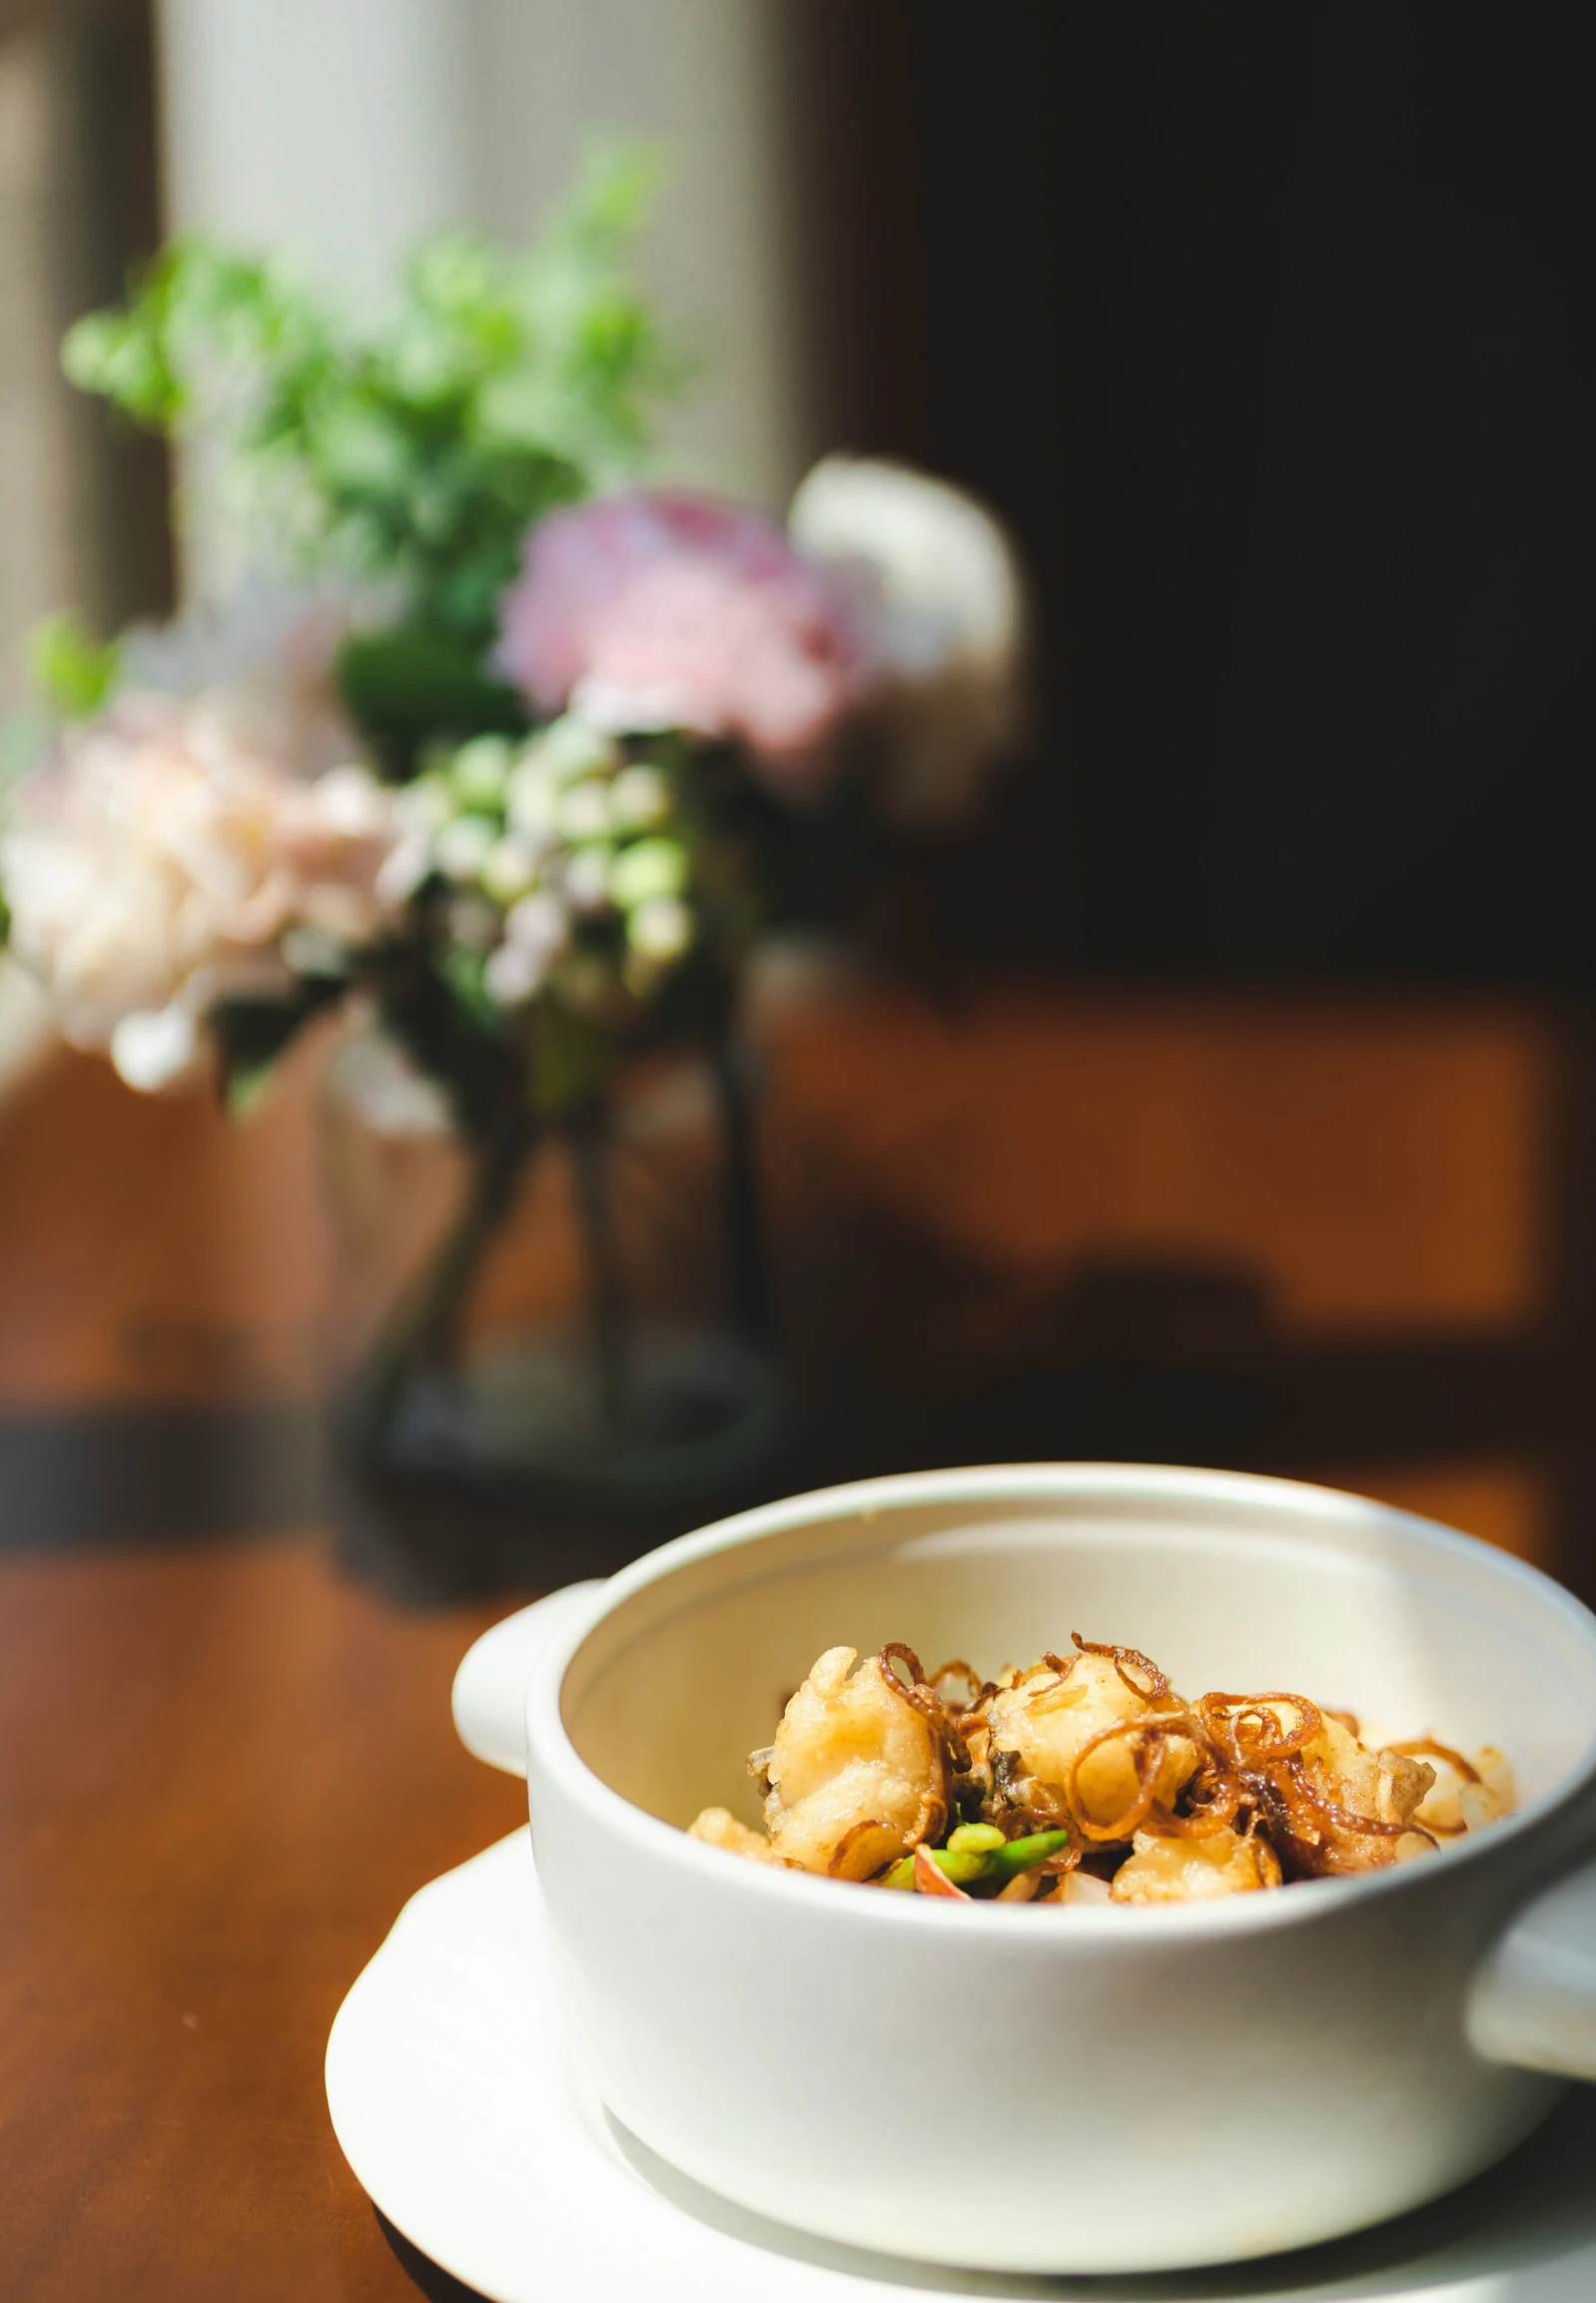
(1086,1779)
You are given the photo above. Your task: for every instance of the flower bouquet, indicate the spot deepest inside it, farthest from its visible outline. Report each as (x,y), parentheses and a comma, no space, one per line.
(512,760)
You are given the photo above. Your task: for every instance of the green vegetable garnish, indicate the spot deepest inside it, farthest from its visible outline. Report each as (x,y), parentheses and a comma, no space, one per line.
(959,1864)
(1024,1854)
(980,1852)
(975,1839)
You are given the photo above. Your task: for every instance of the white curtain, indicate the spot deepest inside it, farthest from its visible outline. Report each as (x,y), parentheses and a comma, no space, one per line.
(342,130)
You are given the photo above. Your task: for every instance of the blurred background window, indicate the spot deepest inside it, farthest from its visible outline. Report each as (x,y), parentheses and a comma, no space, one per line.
(1269,332)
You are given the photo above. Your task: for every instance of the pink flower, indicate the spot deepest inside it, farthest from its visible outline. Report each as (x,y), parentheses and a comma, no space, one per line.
(665,609)
(155,864)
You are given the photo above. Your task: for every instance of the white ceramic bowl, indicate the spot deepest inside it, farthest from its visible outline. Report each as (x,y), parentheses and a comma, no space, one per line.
(1088,2090)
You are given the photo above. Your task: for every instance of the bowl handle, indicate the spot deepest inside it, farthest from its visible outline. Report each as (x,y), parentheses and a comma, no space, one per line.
(489,1700)
(1534,2000)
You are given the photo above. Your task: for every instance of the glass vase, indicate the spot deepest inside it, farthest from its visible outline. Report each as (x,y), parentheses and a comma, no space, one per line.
(554,1346)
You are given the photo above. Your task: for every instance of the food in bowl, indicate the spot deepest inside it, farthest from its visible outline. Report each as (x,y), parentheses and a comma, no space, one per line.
(753,2028)
(1087,1778)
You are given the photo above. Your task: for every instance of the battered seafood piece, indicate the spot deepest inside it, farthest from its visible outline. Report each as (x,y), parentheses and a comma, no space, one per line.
(1357,1795)
(720,1828)
(1052,1745)
(860,1769)
(1161,1870)
(1086,1779)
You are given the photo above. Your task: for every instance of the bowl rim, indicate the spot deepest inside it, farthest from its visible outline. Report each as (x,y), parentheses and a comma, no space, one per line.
(557,1758)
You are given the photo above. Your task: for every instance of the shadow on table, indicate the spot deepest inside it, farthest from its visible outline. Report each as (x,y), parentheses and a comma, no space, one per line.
(911,1350)
(906,1357)
(127,1476)
(436,2285)
(1165,1360)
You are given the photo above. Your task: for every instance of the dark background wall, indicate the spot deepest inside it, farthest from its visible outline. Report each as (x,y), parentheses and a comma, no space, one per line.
(1271,331)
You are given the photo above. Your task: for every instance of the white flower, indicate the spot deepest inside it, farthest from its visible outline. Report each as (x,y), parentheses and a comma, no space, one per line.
(940,589)
(509,869)
(639,799)
(403,869)
(351,804)
(535,933)
(155,864)
(572,747)
(514,974)
(338,835)
(539,922)
(660,930)
(631,708)
(159,1049)
(584,811)
(586,880)
(423,807)
(533,802)
(419,811)
(463,847)
(264,659)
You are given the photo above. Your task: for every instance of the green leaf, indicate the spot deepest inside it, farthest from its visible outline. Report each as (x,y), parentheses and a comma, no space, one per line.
(417,451)
(244,1084)
(121,357)
(408,687)
(362,451)
(464,972)
(617,190)
(76,672)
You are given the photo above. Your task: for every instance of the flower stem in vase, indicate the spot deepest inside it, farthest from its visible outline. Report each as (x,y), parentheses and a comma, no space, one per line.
(590,1159)
(750,1291)
(427,1334)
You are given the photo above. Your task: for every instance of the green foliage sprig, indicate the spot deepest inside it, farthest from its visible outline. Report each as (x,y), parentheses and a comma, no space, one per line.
(74,672)
(416,452)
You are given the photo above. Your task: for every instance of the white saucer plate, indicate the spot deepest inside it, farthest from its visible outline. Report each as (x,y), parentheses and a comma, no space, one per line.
(454,2103)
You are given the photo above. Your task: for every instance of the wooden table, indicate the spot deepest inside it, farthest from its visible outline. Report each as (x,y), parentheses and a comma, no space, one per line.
(223,1766)
(222,1772)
